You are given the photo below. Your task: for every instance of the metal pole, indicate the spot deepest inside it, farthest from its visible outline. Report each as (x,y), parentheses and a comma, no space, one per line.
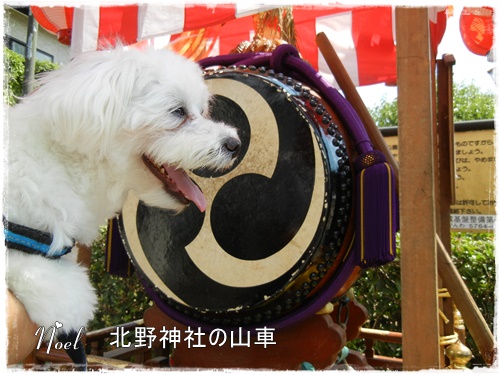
(30,54)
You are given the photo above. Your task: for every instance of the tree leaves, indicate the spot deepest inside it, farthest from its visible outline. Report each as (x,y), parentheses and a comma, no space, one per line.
(469,103)
(121,300)
(13,72)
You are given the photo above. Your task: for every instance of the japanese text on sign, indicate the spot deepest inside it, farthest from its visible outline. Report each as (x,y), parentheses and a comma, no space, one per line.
(197,338)
(475,201)
(476,222)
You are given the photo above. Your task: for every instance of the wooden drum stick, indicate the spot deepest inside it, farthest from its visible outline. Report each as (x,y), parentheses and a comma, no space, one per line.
(352,95)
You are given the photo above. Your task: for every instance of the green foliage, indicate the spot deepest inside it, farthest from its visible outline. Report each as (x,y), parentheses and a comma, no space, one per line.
(121,300)
(385,113)
(469,103)
(474,257)
(14,74)
(44,67)
(379,289)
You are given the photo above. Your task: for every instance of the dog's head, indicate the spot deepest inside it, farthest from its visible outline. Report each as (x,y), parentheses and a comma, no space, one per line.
(144,113)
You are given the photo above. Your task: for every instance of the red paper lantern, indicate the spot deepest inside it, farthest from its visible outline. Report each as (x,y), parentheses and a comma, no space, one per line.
(56,19)
(476,28)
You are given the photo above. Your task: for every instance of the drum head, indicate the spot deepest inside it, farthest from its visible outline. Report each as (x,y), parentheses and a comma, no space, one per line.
(278,223)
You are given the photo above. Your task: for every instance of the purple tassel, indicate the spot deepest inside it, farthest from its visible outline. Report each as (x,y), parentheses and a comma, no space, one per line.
(117,261)
(377,210)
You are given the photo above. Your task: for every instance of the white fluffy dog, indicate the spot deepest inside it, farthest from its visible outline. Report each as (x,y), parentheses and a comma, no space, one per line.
(106,123)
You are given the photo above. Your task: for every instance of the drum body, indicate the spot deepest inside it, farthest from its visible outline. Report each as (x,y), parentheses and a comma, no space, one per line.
(273,245)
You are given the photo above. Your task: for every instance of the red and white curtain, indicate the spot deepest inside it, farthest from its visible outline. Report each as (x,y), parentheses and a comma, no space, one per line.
(363,37)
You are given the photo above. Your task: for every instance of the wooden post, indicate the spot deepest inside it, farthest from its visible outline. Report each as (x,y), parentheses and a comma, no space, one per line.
(445,167)
(419,306)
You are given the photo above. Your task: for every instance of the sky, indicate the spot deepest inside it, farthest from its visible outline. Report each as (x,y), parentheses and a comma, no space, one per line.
(469,68)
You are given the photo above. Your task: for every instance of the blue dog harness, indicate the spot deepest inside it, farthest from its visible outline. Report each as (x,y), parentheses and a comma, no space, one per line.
(31,241)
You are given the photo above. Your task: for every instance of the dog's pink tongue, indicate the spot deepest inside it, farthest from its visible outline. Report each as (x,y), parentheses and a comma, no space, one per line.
(187,187)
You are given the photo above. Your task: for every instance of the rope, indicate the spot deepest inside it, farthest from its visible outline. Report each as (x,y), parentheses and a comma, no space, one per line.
(448,340)
(451,339)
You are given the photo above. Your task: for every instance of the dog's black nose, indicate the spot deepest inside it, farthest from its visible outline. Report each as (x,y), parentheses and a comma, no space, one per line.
(232,145)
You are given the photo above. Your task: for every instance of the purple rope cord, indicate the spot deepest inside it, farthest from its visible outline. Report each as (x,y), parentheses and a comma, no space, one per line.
(285,59)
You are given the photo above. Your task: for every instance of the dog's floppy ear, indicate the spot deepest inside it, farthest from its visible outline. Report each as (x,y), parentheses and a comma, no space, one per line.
(84,102)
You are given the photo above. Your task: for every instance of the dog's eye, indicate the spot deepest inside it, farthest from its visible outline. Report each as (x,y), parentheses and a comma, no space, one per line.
(179,112)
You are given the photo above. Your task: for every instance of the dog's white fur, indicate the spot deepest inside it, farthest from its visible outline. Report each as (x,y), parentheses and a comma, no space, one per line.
(74,152)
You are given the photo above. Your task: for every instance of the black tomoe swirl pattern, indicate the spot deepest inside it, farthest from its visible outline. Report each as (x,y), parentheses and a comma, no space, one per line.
(252,216)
